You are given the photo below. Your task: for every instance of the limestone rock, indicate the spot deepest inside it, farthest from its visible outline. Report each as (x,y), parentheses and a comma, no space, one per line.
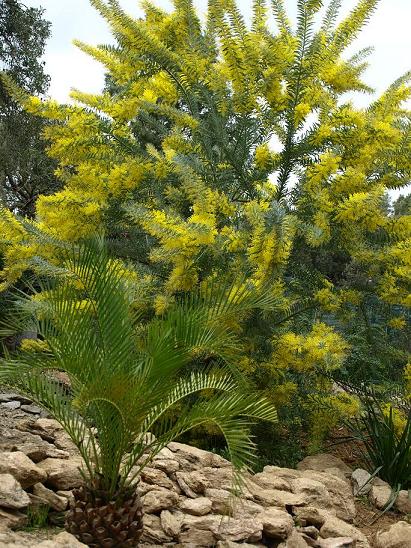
(276,523)
(314,492)
(193,537)
(249,530)
(339,542)
(21,468)
(340,495)
(335,527)
(153,532)
(159,499)
(32,445)
(380,494)
(62,474)
(68,495)
(50,497)
(310,515)
(65,540)
(231,544)
(51,426)
(286,473)
(295,540)
(169,466)
(221,500)
(196,507)
(403,502)
(32,409)
(12,396)
(221,477)
(192,457)
(11,405)
(397,536)
(11,519)
(270,480)
(322,462)
(171,522)
(193,483)
(11,493)
(153,476)
(362,482)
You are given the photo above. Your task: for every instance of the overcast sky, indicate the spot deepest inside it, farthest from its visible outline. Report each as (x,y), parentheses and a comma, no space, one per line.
(388,31)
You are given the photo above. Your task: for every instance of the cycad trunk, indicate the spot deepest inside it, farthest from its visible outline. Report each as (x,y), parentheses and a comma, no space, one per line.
(106,522)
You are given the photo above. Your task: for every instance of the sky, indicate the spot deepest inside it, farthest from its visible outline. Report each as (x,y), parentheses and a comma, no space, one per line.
(388,31)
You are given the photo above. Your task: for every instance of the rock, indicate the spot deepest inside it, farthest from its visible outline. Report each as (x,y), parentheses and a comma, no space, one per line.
(37,502)
(62,474)
(32,445)
(270,480)
(340,494)
(159,499)
(11,405)
(310,515)
(64,540)
(249,530)
(7,397)
(230,544)
(153,532)
(380,494)
(171,522)
(50,497)
(397,536)
(193,483)
(11,519)
(21,468)
(193,537)
(68,495)
(65,443)
(335,527)
(169,466)
(309,531)
(362,482)
(192,458)
(156,477)
(164,454)
(274,497)
(340,542)
(276,523)
(295,540)
(322,462)
(403,502)
(286,473)
(221,500)
(11,493)
(50,426)
(32,409)
(196,507)
(314,492)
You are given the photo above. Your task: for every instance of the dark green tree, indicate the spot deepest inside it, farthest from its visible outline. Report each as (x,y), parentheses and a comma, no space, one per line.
(25,169)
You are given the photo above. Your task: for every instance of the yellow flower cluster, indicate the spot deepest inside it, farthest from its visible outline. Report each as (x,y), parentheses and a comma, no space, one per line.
(321,349)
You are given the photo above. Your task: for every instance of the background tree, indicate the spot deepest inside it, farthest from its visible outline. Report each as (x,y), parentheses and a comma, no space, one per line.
(25,169)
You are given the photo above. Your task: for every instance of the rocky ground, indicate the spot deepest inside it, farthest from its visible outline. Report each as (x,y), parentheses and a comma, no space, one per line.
(186,495)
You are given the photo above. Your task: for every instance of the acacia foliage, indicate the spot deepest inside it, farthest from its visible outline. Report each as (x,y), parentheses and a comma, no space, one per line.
(175,161)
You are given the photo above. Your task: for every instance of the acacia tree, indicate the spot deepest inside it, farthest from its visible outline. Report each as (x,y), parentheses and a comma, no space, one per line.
(25,169)
(175,161)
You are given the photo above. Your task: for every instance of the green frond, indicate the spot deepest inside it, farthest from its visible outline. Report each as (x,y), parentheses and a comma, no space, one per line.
(280,15)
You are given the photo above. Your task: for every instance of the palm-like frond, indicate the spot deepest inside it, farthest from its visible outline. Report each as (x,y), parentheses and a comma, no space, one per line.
(125,382)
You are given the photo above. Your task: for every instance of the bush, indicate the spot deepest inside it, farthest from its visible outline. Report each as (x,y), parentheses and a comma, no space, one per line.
(385,432)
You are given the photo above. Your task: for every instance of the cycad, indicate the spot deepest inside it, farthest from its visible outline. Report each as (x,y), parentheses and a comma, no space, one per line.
(127,375)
